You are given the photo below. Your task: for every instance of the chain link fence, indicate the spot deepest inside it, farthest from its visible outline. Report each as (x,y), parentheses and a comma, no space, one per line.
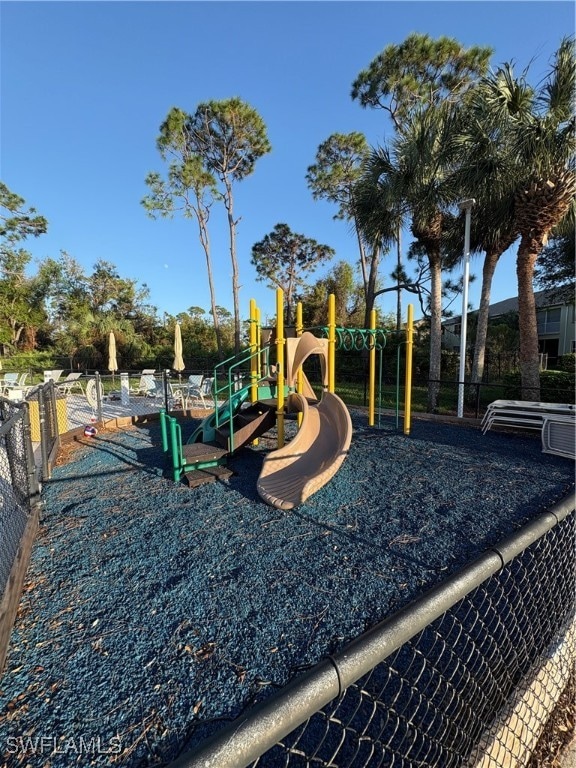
(19,492)
(465,676)
(96,399)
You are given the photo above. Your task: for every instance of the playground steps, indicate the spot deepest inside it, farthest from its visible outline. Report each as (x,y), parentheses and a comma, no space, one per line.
(200,453)
(250,423)
(198,477)
(203,463)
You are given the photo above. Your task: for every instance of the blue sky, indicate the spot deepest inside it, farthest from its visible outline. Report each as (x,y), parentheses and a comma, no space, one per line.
(86,85)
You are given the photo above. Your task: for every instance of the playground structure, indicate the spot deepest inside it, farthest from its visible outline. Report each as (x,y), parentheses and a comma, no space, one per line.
(292,472)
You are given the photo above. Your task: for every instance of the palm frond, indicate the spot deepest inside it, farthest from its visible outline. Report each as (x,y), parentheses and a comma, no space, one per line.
(557,96)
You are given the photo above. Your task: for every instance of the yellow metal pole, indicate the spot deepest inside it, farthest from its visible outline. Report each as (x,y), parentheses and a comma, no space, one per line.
(258,344)
(280,342)
(253,352)
(372,370)
(300,374)
(408,382)
(331,342)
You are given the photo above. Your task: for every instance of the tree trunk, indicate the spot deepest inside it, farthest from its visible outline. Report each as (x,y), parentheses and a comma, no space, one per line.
(288,305)
(399,289)
(205,240)
(362,252)
(235,284)
(370,295)
(528,251)
(29,339)
(435,329)
(539,207)
(17,330)
(488,269)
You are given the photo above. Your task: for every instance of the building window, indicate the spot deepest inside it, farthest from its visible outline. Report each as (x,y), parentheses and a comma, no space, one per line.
(548,321)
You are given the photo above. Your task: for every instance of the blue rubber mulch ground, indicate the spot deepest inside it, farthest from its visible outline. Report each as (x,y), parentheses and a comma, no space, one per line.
(151,608)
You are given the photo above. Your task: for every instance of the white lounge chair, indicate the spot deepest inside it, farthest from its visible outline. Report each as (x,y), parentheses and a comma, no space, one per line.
(8,381)
(146,385)
(54,376)
(522,414)
(70,383)
(15,382)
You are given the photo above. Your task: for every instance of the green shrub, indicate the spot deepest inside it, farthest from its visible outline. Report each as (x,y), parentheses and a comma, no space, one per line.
(567,362)
(449,364)
(32,362)
(555,387)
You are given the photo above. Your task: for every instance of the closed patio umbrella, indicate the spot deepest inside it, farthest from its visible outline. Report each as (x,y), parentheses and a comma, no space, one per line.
(178,363)
(112,362)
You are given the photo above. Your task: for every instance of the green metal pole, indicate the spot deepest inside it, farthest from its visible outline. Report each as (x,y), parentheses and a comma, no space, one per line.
(163,430)
(176,469)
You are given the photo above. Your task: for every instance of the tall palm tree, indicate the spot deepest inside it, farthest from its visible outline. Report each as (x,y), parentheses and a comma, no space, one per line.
(481,171)
(539,130)
(377,219)
(410,182)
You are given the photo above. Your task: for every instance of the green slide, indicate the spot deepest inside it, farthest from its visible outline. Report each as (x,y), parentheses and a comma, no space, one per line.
(206,431)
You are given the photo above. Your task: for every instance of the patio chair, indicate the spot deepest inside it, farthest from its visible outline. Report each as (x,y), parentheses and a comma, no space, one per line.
(198,393)
(146,385)
(71,382)
(195,379)
(176,395)
(193,386)
(8,381)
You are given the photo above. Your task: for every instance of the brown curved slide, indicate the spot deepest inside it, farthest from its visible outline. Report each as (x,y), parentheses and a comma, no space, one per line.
(297,470)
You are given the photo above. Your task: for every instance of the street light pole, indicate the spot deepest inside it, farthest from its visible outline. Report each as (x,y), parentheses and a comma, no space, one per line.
(466,206)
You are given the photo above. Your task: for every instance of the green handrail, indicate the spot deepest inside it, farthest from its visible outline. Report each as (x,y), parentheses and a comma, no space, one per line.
(233,363)
(172,443)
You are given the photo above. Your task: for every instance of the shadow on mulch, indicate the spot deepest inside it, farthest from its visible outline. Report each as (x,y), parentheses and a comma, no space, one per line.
(151,609)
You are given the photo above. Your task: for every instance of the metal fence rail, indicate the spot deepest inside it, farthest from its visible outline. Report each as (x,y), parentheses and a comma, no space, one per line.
(435,684)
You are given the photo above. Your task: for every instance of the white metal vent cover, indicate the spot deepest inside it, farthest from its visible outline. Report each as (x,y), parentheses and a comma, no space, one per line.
(559,435)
